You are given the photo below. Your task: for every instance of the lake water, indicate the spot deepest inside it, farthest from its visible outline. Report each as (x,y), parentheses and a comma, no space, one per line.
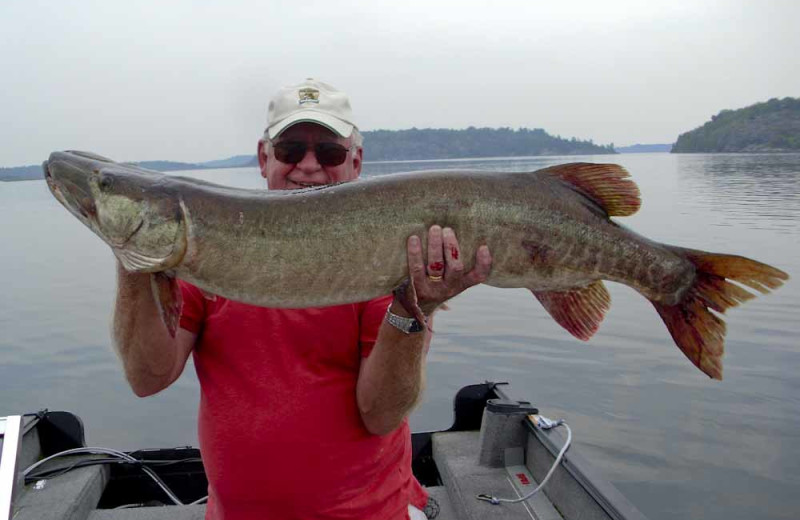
(678,444)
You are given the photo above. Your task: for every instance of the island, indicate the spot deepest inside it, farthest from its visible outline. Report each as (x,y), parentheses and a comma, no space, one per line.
(769,127)
(472,142)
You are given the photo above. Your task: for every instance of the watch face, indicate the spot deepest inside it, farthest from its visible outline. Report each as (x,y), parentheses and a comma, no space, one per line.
(416,326)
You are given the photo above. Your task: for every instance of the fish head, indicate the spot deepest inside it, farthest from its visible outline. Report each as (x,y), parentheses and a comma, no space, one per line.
(133,210)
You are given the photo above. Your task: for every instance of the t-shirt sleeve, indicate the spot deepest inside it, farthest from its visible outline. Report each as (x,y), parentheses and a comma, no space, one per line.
(372,314)
(194,307)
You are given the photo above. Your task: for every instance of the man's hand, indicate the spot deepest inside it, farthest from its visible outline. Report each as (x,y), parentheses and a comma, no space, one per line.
(443,276)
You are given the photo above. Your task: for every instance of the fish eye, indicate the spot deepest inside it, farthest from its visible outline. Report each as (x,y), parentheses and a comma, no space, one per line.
(105,182)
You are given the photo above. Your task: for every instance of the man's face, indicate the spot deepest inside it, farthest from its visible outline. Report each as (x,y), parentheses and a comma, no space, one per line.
(308,171)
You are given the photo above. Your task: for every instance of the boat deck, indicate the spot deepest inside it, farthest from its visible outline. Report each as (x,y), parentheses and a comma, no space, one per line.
(492,449)
(75,495)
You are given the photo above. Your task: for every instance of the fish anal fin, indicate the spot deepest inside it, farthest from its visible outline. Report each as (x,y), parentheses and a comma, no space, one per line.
(580,311)
(168,298)
(609,185)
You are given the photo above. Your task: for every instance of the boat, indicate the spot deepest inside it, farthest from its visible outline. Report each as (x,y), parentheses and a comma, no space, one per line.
(500,459)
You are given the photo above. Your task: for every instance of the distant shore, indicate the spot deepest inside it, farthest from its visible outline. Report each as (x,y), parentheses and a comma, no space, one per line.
(422,144)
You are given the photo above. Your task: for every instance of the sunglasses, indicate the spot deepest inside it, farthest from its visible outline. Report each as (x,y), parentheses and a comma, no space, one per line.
(328,154)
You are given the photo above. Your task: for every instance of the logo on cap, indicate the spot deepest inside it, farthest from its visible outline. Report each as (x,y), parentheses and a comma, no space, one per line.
(307,95)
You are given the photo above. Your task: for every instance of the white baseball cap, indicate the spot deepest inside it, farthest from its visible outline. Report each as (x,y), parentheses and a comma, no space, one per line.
(311,101)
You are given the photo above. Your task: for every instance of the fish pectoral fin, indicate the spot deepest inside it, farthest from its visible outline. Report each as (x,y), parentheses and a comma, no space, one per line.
(136,262)
(580,311)
(609,185)
(168,298)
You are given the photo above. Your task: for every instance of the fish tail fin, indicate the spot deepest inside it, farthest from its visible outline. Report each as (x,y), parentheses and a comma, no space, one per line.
(697,331)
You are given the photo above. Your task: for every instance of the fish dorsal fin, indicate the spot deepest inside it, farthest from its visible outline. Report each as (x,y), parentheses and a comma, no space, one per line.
(609,185)
(580,311)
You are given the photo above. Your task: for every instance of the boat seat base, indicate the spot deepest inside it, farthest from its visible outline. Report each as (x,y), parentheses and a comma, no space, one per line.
(456,457)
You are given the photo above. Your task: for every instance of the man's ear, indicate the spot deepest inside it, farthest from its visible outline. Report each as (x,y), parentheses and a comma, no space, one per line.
(358,158)
(262,158)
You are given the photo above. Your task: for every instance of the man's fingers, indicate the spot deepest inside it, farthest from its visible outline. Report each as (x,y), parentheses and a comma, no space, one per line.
(435,254)
(416,267)
(454,266)
(443,257)
(483,266)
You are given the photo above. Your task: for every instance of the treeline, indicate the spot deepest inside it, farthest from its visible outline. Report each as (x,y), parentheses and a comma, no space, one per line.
(443,143)
(21,173)
(772,126)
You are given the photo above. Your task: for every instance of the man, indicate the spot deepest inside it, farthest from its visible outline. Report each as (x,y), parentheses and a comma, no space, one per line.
(303,412)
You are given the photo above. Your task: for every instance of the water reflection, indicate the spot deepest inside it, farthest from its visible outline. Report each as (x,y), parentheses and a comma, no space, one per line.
(757,190)
(677,444)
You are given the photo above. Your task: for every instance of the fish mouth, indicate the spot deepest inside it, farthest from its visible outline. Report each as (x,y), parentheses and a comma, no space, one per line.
(71,190)
(70,180)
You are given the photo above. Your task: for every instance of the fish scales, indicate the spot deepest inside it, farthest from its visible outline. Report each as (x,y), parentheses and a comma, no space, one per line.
(288,245)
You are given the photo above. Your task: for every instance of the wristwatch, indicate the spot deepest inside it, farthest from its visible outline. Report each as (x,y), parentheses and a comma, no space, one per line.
(405,325)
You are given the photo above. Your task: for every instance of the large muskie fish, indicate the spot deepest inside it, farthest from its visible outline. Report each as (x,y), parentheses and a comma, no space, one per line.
(548,231)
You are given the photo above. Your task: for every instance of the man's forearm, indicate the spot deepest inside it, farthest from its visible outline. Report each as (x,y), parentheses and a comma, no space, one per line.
(392,378)
(148,353)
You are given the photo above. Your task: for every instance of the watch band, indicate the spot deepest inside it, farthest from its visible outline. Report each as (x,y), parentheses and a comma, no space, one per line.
(403,324)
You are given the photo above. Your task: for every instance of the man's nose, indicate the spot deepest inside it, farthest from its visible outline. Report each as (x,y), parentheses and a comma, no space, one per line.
(309,162)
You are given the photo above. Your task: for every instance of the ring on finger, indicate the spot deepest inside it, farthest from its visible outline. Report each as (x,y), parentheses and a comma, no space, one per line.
(435,278)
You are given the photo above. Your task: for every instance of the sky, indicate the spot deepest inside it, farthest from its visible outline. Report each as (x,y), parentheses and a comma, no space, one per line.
(191,80)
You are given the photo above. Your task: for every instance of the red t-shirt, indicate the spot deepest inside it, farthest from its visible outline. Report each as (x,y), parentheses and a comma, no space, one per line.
(279,427)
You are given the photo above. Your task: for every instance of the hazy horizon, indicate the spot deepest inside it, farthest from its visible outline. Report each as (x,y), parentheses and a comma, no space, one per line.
(366,160)
(190,81)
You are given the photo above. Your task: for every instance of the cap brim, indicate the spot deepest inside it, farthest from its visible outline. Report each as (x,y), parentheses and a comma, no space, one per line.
(336,125)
